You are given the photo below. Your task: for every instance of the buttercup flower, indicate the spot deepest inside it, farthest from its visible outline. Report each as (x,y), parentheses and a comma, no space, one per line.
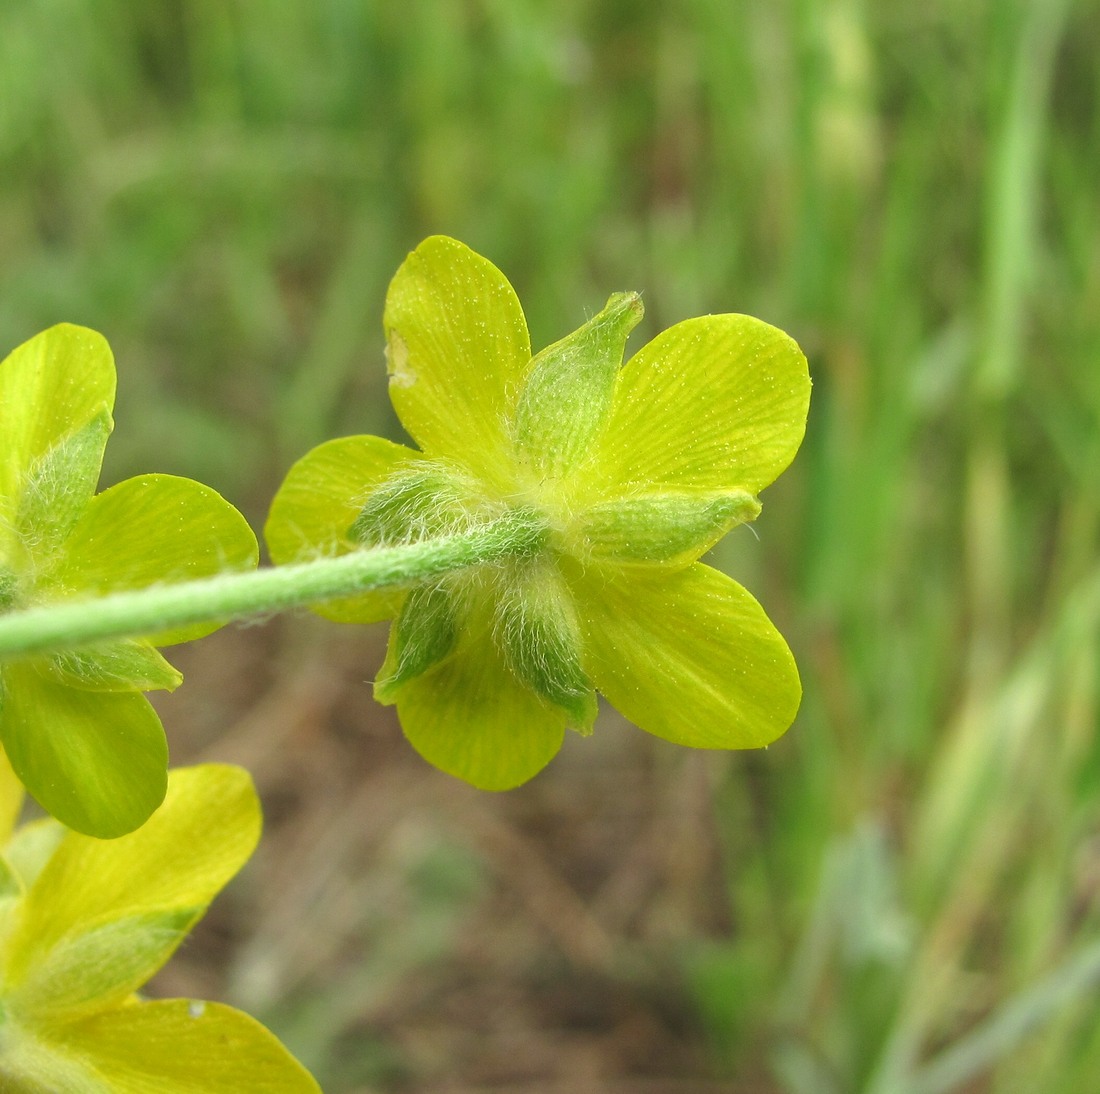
(76,727)
(633,472)
(85,922)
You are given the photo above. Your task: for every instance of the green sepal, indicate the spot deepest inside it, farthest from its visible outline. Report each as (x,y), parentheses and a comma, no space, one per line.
(669,528)
(8,587)
(538,635)
(418,501)
(421,637)
(86,972)
(59,485)
(50,387)
(125,665)
(567,395)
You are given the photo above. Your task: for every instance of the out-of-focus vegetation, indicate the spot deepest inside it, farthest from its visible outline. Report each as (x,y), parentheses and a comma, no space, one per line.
(913,191)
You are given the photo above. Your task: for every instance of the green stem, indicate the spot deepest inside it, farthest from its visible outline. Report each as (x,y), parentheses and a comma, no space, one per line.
(233,596)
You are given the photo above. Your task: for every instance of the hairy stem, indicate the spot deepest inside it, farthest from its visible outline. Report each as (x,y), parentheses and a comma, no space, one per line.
(233,596)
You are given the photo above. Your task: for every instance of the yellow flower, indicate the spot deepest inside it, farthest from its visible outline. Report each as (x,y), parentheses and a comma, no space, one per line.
(85,922)
(634,471)
(75,725)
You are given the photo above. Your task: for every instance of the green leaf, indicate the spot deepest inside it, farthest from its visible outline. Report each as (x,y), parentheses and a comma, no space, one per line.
(471,717)
(457,350)
(716,403)
(567,395)
(125,665)
(153,530)
(318,502)
(171,1046)
(96,761)
(59,486)
(50,387)
(687,655)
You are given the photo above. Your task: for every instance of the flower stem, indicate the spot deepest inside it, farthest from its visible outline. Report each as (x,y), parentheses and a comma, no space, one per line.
(233,596)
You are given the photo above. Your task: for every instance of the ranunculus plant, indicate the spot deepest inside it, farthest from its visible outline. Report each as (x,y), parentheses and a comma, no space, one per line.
(541,546)
(74,722)
(626,474)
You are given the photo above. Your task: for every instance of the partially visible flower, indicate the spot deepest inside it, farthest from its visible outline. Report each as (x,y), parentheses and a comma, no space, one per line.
(77,729)
(633,471)
(84,923)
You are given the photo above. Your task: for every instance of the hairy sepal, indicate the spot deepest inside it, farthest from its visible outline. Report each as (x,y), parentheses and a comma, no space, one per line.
(537,633)
(567,395)
(670,529)
(419,501)
(423,635)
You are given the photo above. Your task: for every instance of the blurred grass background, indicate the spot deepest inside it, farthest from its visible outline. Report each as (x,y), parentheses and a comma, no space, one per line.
(901,896)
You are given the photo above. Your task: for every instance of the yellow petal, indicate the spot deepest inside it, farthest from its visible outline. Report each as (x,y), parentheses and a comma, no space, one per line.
(151,530)
(11,790)
(471,717)
(95,760)
(716,403)
(171,1046)
(457,348)
(687,655)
